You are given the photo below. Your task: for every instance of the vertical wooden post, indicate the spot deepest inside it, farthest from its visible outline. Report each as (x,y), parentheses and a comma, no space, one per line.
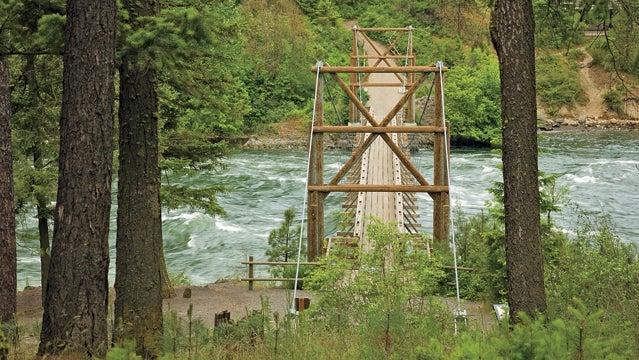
(438,165)
(315,232)
(250,273)
(410,82)
(311,232)
(302,304)
(446,195)
(354,83)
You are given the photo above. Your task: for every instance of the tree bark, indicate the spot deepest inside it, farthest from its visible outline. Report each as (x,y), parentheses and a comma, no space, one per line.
(8,281)
(139,261)
(138,283)
(512,32)
(76,299)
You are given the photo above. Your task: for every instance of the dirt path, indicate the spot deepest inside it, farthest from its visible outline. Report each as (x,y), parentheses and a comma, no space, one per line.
(595,106)
(231,296)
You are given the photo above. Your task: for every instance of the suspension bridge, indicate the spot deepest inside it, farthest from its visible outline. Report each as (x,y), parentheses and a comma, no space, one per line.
(378,180)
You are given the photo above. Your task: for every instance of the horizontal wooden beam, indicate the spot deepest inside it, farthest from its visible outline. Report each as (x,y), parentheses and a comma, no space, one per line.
(271,279)
(378,69)
(379,188)
(378,129)
(382,56)
(408,28)
(279,263)
(368,84)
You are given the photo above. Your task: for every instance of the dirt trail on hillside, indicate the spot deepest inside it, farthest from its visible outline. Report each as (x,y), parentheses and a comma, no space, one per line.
(594,106)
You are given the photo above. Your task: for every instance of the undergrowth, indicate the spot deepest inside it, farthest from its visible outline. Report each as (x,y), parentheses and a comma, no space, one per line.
(387,308)
(392,302)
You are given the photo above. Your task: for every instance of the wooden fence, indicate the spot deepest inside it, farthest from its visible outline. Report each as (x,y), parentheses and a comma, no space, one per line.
(251,270)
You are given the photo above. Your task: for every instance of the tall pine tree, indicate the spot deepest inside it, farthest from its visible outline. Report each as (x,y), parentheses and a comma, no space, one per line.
(140,260)
(8,282)
(76,297)
(513,35)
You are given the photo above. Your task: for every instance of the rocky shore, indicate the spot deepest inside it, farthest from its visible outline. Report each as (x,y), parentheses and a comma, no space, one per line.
(288,138)
(584,123)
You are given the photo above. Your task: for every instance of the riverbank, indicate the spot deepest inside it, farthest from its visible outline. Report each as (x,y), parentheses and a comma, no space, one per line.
(582,124)
(206,301)
(294,135)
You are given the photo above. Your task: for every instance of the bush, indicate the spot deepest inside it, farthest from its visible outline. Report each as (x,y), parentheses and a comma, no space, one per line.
(558,83)
(614,102)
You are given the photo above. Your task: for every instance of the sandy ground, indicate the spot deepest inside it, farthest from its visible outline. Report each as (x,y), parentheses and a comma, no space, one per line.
(231,296)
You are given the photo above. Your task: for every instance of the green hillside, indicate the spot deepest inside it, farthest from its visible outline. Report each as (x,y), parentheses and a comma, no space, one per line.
(280,40)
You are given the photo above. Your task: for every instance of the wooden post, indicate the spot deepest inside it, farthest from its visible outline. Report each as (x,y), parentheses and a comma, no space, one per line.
(354,79)
(311,232)
(446,195)
(302,304)
(250,273)
(438,166)
(410,82)
(222,318)
(315,231)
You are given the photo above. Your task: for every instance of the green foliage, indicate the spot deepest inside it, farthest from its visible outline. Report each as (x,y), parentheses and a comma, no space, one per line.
(125,352)
(35,101)
(277,56)
(614,102)
(200,88)
(557,26)
(178,196)
(284,246)
(179,279)
(616,51)
(5,346)
(387,294)
(558,82)
(283,241)
(480,241)
(381,307)
(33,27)
(473,100)
(601,271)
(480,246)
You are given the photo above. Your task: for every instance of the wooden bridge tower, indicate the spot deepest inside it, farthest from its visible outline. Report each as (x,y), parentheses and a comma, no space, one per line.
(374,132)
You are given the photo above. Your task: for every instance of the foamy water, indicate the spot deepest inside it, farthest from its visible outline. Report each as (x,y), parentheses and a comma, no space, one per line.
(600,170)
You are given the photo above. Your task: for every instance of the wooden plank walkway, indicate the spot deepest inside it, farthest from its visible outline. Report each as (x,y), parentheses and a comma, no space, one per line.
(385,84)
(379,164)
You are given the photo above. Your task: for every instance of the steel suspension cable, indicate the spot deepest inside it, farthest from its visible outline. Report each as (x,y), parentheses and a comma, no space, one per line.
(451,229)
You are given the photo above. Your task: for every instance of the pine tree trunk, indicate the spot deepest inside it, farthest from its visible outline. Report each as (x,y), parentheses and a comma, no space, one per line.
(76,296)
(140,266)
(512,32)
(138,285)
(8,285)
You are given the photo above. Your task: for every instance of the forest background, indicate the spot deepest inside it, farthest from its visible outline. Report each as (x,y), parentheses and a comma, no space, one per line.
(228,70)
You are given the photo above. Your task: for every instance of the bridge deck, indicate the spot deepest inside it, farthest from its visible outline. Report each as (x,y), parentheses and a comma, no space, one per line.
(379,165)
(388,87)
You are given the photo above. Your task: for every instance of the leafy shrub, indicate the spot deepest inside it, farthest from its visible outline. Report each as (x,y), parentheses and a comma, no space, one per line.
(558,83)
(614,102)
(387,294)
(473,104)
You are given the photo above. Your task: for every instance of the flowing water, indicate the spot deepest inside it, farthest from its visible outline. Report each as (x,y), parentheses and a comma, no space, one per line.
(601,171)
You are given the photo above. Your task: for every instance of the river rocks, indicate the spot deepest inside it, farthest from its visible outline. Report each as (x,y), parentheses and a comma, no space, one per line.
(582,119)
(584,123)
(255,143)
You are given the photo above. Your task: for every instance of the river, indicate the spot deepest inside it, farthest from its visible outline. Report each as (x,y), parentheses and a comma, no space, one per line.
(600,170)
